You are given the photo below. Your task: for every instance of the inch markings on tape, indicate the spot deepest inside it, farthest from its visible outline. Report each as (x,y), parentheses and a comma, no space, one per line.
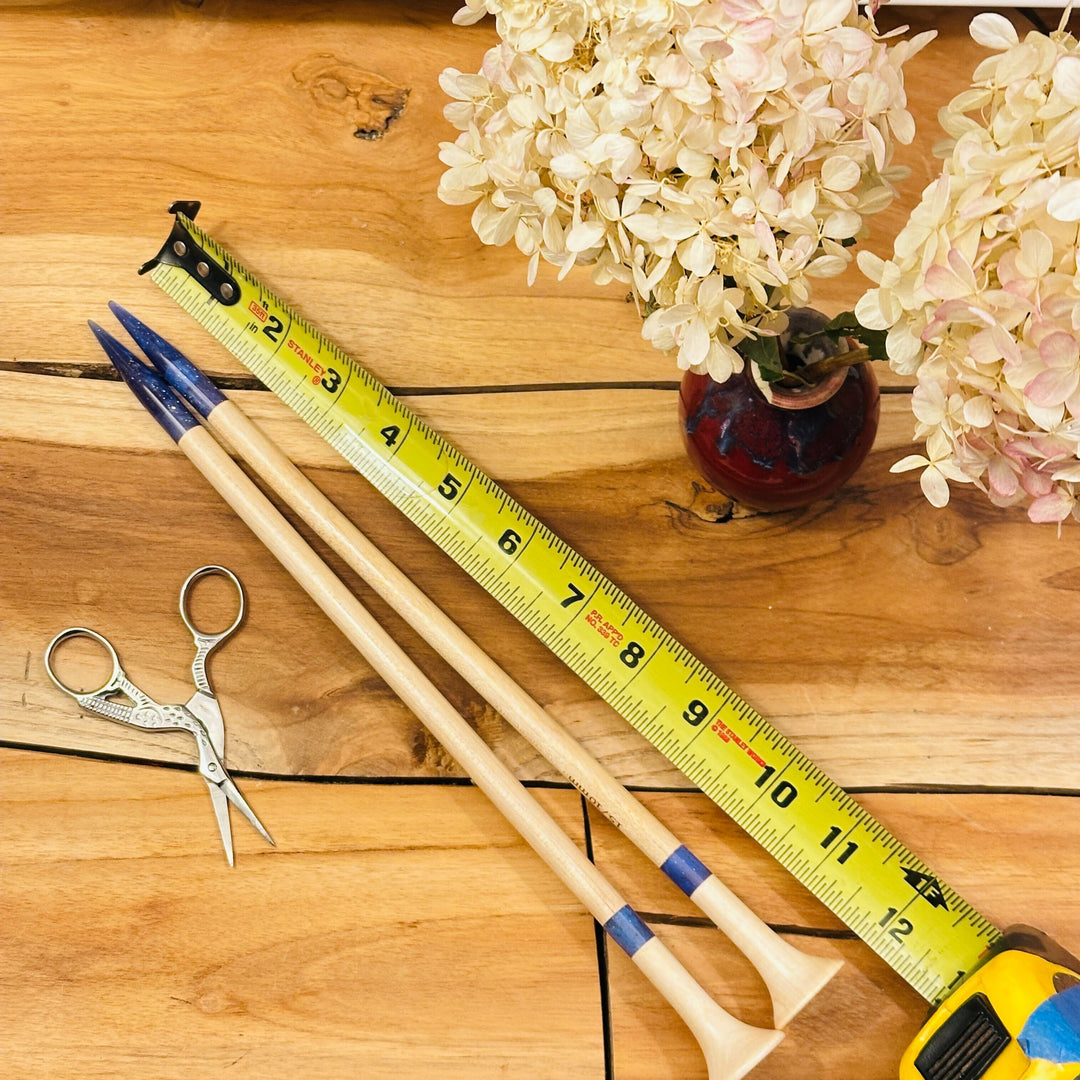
(849,861)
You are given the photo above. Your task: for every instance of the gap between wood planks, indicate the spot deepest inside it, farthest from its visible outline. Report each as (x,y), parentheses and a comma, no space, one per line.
(553,785)
(107,373)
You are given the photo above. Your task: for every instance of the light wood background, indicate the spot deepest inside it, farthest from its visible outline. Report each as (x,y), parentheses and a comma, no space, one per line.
(925,659)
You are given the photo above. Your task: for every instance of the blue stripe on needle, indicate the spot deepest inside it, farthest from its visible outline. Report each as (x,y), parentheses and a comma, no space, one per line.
(685,869)
(627,930)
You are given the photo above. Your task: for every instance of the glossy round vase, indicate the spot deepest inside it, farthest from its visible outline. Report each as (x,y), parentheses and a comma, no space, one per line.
(776,449)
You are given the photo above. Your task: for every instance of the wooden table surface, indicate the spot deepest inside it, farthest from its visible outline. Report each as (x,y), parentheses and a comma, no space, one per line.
(924,658)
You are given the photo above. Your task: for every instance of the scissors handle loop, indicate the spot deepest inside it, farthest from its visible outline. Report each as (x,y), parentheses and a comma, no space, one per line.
(206,643)
(116,682)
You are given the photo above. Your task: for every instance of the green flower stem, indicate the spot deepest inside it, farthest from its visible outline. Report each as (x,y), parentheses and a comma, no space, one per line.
(815,372)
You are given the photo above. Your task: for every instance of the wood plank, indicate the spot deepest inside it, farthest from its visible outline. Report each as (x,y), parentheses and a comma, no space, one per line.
(1011,856)
(353,946)
(401,928)
(567,431)
(348,230)
(403,281)
(395,931)
(918,689)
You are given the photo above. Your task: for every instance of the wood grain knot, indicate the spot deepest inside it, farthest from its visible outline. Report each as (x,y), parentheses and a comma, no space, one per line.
(369,102)
(942,537)
(707,504)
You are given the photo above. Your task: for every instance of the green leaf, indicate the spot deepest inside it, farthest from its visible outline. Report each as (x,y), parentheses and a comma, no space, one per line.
(765,352)
(846,325)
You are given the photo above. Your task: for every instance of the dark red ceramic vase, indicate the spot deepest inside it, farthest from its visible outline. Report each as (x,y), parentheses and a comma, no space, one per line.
(782,453)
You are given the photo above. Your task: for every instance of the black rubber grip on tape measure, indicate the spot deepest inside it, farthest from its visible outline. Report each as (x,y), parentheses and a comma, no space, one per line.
(966,1045)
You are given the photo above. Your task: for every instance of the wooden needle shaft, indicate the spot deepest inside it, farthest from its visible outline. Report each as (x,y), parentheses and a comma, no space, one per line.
(731,1047)
(792,977)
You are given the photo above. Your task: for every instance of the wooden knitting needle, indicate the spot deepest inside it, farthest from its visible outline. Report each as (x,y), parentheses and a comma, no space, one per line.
(792,977)
(731,1048)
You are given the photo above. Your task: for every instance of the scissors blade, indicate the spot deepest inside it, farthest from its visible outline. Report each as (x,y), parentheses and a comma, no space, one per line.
(233,795)
(221,812)
(208,710)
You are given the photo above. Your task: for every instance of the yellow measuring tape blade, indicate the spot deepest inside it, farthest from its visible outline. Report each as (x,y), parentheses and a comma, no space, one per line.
(918,925)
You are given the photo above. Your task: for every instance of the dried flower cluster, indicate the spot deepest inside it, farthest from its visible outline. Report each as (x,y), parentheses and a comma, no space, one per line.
(712,155)
(981,298)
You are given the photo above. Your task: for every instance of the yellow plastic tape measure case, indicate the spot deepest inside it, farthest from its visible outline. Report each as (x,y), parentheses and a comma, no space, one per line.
(972,1035)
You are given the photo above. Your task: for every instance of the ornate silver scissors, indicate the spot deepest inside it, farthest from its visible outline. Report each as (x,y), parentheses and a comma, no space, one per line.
(200,715)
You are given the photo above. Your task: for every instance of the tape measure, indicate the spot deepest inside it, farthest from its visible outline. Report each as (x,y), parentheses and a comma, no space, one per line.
(914,921)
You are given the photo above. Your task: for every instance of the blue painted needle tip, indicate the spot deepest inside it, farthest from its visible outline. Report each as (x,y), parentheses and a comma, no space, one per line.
(145,383)
(180,372)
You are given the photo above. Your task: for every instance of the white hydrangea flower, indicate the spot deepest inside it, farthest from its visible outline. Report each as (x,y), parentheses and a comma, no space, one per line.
(981,298)
(715,156)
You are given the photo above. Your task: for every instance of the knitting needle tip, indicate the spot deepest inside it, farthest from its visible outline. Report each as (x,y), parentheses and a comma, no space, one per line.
(145,383)
(180,373)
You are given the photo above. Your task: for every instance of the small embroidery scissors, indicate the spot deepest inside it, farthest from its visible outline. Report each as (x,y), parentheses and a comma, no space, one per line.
(200,715)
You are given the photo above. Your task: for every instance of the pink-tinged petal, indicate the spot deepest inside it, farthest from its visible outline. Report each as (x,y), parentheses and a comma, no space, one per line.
(1051,508)
(742,11)
(1036,484)
(765,237)
(958,311)
(1017,450)
(944,284)
(1053,386)
(1007,269)
(1051,446)
(1002,477)
(746,65)
(961,267)
(983,348)
(757,31)
(1010,350)
(1059,350)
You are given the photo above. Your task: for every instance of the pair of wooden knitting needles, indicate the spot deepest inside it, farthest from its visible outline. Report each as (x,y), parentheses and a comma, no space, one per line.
(731,1047)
